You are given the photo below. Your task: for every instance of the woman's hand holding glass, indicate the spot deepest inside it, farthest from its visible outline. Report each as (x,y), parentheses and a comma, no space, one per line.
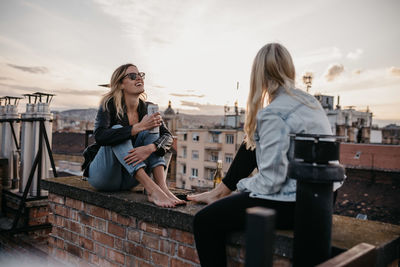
(148,122)
(141,153)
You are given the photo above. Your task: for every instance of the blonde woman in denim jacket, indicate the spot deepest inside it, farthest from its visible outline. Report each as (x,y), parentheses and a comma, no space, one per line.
(275,109)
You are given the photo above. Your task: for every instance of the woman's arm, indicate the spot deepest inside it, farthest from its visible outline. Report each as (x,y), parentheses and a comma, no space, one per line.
(104,135)
(274,141)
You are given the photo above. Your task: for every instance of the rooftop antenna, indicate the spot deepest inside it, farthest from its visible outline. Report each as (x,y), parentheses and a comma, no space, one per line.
(9,99)
(338,102)
(236,102)
(32,98)
(307,80)
(49,97)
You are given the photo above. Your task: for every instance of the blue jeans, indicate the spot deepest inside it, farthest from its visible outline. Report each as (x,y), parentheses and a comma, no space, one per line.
(109,172)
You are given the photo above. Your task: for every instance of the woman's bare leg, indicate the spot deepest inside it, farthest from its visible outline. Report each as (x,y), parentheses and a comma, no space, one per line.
(160,179)
(155,194)
(209,197)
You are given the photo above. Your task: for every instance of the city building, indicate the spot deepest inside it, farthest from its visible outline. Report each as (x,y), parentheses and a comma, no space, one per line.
(354,124)
(171,118)
(199,150)
(391,134)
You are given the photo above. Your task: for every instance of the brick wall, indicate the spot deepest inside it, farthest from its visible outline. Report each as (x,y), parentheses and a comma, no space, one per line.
(35,212)
(378,157)
(88,235)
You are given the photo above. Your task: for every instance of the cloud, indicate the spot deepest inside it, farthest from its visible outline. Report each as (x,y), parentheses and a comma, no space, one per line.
(355,54)
(206,109)
(149,22)
(158,86)
(21,89)
(6,79)
(359,80)
(35,70)
(187,95)
(333,72)
(320,55)
(394,71)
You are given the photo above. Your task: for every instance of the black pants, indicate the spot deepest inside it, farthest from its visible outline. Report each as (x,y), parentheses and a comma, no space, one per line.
(241,167)
(216,221)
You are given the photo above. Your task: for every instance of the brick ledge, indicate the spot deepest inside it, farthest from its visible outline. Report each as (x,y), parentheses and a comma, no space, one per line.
(346,231)
(126,203)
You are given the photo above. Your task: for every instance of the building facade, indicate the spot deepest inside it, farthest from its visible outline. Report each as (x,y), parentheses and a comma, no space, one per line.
(198,152)
(354,124)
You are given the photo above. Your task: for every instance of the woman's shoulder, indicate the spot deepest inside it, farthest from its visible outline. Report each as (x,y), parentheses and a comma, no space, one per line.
(108,106)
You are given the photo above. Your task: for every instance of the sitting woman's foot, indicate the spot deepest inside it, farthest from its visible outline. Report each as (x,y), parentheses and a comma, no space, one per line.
(171,195)
(159,198)
(160,180)
(209,197)
(165,189)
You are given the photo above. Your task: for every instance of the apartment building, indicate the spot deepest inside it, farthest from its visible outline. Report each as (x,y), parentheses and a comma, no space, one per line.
(198,152)
(354,124)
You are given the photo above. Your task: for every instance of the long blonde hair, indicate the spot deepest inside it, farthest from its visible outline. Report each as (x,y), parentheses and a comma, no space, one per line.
(272,67)
(116,92)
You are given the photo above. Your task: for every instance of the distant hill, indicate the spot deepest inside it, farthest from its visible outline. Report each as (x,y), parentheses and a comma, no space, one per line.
(201,120)
(78,114)
(187,119)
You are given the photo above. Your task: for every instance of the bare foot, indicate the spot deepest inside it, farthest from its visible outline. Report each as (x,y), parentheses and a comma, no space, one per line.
(173,197)
(209,197)
(160,180)
(159,198)
(165,189)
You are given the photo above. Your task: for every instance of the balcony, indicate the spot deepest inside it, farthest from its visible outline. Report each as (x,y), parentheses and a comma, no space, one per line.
(213,146)
(210,164)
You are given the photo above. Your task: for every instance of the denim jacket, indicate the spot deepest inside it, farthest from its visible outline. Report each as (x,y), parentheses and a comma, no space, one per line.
(104,135)
(286,114)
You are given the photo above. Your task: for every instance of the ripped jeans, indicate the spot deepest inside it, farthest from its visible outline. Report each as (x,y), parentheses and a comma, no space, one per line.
(108,170)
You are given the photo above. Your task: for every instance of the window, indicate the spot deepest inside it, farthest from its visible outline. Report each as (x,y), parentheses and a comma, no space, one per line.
(184,137)
(195,137)
(184,152)
(195,154)
(195,172)
(214,156)
(229,138)
(210,174)
(228,158)
(214,138)
(184,168)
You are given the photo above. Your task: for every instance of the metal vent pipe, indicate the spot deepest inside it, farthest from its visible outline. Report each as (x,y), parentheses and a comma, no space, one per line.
(42,111)
(27,140)
(2,116)
(10,137)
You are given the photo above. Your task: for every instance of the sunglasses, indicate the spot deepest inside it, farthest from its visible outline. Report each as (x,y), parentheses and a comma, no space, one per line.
(134,75)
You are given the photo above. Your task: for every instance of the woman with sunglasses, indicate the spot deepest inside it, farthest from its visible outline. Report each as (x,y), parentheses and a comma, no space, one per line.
(127,151)
(275,109)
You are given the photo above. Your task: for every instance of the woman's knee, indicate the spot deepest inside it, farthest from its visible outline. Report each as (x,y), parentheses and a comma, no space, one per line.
(116,126)
(145,138)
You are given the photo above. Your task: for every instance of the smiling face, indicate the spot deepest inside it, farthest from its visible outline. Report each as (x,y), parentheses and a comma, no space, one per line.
(132,87)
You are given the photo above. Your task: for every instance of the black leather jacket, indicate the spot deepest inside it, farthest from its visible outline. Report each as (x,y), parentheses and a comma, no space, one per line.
(105,136)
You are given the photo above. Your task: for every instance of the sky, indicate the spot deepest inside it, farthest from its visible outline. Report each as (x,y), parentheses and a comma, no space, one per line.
(194,53)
